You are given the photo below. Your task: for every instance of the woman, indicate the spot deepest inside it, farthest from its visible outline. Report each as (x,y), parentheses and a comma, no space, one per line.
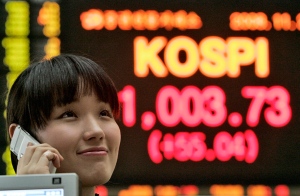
(69,104)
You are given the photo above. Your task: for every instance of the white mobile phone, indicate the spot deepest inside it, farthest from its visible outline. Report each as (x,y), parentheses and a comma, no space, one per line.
(19,143)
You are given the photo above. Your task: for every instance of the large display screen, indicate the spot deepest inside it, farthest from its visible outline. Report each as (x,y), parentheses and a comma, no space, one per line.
(209,89)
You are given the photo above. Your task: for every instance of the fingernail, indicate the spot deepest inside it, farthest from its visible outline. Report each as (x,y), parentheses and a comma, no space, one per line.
(29,144)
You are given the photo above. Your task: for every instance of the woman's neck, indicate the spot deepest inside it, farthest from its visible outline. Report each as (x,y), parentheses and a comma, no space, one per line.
(88,191)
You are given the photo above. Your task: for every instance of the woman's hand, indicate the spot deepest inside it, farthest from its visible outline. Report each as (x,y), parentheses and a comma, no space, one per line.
(36,159)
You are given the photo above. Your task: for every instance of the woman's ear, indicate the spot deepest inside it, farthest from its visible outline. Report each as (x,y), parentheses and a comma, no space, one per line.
(11,129)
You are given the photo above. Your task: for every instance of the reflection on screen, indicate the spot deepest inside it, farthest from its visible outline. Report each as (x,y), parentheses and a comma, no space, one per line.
(33,192)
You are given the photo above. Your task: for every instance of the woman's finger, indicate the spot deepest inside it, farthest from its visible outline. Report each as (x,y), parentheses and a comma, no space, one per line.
(54,158)
(26,157)
(36,159)
(44,153)
(51,149)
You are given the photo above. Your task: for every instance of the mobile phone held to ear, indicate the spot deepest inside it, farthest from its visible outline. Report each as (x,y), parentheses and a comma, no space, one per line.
(19,143)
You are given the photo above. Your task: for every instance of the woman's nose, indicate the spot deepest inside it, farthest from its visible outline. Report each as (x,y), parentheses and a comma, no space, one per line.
(92,129)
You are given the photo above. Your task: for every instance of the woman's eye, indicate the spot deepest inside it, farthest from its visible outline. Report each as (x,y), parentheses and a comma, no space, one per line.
(68,114)
(105,113)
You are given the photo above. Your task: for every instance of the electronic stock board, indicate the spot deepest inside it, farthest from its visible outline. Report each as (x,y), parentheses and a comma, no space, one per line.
(209,89)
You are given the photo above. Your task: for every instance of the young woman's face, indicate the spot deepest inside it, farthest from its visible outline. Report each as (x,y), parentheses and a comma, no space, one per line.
(87,136)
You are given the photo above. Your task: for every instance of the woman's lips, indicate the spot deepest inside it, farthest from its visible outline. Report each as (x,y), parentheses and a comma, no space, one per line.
(93,151)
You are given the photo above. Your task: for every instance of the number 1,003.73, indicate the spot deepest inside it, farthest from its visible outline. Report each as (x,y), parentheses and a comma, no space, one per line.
(193,106)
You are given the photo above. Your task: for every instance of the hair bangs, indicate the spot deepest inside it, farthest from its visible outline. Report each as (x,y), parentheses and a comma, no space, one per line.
(60,85)
(82,78)
(95,80)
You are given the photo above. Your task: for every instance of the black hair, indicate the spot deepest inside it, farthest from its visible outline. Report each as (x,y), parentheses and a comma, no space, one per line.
(56,82)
